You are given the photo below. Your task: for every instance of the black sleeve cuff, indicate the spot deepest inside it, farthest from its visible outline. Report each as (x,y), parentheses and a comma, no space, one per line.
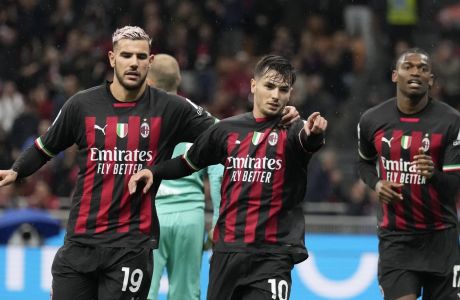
(171,169)
(312,142)
(368,173)
(29,162)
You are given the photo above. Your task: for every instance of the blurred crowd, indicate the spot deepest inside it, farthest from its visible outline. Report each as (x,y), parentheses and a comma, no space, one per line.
(343,52)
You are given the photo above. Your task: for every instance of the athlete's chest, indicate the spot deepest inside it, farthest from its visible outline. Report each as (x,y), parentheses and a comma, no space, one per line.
(409,134)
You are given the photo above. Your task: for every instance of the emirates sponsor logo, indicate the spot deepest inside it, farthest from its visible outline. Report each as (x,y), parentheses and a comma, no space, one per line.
(401,171)
(253,163)
(119,162)
(252,169)
(120,155)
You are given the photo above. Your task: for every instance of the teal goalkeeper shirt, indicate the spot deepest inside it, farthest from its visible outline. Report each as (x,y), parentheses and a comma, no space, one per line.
(187,193)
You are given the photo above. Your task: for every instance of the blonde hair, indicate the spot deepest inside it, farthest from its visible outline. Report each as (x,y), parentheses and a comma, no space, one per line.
(131,33)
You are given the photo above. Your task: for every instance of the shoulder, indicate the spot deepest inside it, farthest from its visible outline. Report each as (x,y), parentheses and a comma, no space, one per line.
(88,95)
(383,109)
(445,111)
(242,118)
(173,101)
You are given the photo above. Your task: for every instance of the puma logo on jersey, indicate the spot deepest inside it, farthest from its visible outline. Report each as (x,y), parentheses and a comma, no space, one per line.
(387,141)
(97,127)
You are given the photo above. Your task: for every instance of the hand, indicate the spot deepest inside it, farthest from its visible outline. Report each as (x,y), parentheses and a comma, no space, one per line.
(423,164)
(315,124)
(290,115)
(7,177)
(209,240)
(388,192)
(144,175)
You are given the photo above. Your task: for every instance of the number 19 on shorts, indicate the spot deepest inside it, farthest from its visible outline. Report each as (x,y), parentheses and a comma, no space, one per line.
(279,289)
(131,280)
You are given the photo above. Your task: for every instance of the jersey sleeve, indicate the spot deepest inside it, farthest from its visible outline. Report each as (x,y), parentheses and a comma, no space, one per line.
(206,150)
(451,162)
(303,145)
(193,120)
(366,148)
(62,132)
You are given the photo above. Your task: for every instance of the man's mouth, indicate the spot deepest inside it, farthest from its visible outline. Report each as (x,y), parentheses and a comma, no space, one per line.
(273,106)
(132,75)
(414,83)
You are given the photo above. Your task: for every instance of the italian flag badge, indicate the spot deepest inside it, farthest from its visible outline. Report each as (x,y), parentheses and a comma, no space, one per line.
(257,137)
(122,129)
(406,141)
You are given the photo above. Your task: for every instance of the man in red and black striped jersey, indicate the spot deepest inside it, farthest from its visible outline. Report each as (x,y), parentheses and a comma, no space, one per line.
(119,127)
(409,148)
(259,235)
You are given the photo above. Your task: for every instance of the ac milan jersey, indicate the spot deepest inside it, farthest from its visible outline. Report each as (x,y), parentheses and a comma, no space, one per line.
(264,183)
(391,139)
(115,140)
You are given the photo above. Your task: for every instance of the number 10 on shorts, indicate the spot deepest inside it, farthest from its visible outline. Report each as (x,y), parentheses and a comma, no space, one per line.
(456,279)
(280,291)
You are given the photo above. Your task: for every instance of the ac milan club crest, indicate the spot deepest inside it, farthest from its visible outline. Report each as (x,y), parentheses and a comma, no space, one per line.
(145,130)
(426,143)
(273,138)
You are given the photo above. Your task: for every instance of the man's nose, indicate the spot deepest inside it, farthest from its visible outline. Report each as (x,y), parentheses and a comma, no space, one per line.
(275,93)
(134,62)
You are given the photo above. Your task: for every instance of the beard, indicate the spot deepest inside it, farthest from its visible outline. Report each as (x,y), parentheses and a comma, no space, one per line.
(128,85)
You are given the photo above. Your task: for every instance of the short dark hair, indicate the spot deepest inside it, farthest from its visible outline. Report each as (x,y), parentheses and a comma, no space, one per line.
(415,50)
(276,63)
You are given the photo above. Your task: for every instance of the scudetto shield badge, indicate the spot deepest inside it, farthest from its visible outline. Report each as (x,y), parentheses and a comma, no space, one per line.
(406,141)
(122,129)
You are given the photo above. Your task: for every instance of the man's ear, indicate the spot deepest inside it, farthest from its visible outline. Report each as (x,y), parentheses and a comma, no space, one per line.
(394,76)
(431,81)
(111,56)
(253,85)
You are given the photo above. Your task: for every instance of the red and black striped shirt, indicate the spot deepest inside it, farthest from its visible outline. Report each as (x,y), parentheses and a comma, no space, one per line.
(391,139)
(115,140)
(263,185)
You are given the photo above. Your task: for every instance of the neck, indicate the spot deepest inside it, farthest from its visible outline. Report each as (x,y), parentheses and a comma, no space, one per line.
(413,105)
(123,95)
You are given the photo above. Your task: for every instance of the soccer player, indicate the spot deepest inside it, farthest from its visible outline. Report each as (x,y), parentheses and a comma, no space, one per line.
(180,207)
(119,128)
(409,149)
(259,235)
